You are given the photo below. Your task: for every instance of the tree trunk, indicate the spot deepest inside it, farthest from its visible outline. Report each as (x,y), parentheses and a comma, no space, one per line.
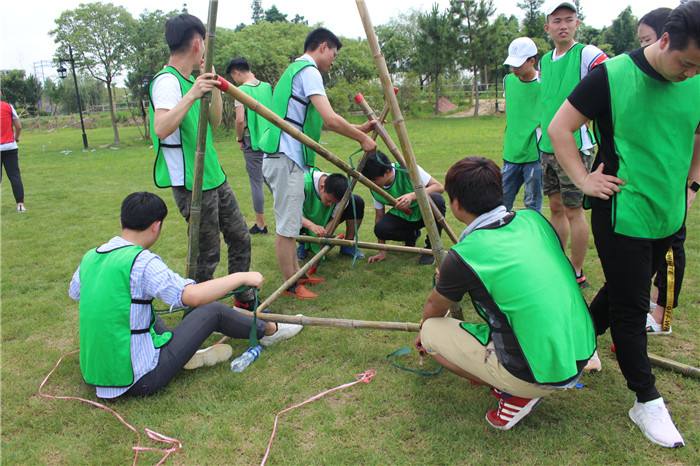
(437,92)
(475,79)
(113,113)
(146,123)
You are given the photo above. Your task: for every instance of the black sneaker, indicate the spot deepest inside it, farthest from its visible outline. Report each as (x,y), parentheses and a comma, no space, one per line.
(256,230)
(426,259)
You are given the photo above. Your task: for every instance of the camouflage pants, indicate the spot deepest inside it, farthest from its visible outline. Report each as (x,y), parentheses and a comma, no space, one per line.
(220,213)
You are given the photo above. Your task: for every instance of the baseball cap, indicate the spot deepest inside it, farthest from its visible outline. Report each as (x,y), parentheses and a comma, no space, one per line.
(554,6)
(520,50)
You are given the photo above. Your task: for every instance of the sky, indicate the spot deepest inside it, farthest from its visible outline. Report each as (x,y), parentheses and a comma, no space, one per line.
(25,25)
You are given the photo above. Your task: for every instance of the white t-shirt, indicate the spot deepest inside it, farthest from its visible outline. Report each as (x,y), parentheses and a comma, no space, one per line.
(167,94)
(11,145)
(306,83)
(424,179)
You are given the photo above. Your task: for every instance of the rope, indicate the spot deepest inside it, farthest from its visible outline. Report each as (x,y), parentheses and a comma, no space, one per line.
(405,350)
(354,212)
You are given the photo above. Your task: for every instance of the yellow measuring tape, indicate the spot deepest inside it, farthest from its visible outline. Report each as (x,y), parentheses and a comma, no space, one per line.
(670,287)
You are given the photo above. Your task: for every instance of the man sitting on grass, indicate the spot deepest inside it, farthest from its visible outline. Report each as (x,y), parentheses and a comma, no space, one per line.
(538,333)
(124,346)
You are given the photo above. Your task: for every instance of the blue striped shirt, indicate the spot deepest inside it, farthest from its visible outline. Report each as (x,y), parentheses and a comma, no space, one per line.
(150,278)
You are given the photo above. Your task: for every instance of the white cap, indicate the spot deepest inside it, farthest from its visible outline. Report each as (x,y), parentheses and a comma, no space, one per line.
(551,7)
(519,51)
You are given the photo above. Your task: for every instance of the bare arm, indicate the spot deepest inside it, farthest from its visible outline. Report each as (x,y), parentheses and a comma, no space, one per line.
(240,122)
(694,172)
(561,131)
(199,294)
(340,125)
(17,125)
(216,108)
(436,306)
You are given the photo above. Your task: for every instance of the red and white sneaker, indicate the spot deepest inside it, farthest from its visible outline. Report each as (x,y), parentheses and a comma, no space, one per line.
(511,410)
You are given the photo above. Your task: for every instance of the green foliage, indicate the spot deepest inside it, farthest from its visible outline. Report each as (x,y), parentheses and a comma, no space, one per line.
(257,12)
(533,23)
(20,90)
(622,34)
(274,15)
(397,40)
(62,92)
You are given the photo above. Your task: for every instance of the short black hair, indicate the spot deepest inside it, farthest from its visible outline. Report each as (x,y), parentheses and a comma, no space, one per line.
(476,184)
(319,36)
(683,24)
(376,165)
(656,19)
(238,64)
(336,185)
(180,29)
(140,210)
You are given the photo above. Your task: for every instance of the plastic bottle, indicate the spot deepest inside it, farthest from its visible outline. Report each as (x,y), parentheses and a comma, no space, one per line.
(246,359)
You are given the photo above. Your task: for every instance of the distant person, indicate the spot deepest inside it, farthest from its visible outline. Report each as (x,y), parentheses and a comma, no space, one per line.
(651,26)
(10,129)
(538,333)
(175,98)
(249,129)
(521,157)
(646,109)
(124,347)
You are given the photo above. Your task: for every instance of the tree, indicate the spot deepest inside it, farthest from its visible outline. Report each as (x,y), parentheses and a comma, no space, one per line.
(257,14)
(298,19)
(579,10)
(21,90)
(397,40)
(273,15)
(622,34)
(99,34)
(533,23)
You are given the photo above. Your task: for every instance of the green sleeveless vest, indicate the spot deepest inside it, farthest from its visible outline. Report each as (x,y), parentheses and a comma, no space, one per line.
(256,124)
(537,311)
(312,124)
(104,316)
(314,209)
(522,118)
(214,176)
(654,126)
(402,185)
(559,78)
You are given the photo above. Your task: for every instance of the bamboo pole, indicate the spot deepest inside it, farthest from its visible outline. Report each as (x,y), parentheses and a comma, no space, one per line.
(294,132)
(675,366)
(381,130)
(203,124)
(362,244)
(406,148)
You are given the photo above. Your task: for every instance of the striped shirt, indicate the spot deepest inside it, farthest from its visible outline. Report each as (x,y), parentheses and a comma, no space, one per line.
(150,278)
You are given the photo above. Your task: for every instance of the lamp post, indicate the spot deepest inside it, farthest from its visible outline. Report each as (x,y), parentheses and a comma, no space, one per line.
(62,74)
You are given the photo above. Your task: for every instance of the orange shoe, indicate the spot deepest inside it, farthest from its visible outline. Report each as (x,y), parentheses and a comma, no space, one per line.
(311,280)
(301,292)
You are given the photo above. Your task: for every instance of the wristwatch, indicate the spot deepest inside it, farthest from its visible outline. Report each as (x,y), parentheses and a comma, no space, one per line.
(694,186)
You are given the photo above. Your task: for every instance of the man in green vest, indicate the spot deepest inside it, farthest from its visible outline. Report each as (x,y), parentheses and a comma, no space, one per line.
(124,347)
(300,98)
(646,109)
(403,222)
(249,128)
(537,333)
(561,70)
(322,193)
(521,157)
(174,114)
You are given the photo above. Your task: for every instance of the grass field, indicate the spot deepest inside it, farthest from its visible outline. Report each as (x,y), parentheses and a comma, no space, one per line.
(73,201)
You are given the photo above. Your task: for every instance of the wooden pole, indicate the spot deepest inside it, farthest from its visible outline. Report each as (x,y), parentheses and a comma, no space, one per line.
(676,366)
(362,244)
(294,132)
(381,130)
(196,203)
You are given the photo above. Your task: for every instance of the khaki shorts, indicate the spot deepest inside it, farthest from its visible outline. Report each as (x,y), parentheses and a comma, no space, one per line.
(555,180)
(286,181)
(445,337)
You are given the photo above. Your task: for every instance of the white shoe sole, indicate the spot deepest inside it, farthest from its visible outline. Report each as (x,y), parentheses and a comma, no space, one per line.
(652,439)
(209,356)
(524,411)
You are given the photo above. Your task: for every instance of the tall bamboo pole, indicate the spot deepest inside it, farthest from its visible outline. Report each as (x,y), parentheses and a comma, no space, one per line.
(196,204)
(362,244)
(384,134)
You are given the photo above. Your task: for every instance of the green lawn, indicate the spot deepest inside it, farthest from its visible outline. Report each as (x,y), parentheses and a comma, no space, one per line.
(73,204)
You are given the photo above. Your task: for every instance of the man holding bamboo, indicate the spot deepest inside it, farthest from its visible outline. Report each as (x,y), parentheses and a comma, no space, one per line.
(174,116)
(300,98)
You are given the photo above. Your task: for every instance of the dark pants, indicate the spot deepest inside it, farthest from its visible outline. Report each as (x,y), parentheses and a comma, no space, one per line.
(677,245)
(10,161)
(220,214)
(188,336)
(394,228)
(623,301)
(358,213)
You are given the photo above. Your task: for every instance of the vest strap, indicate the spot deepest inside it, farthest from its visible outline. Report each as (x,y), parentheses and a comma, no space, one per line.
(300,100)
(300,125)
(140,331)
(141,301)
(171,146)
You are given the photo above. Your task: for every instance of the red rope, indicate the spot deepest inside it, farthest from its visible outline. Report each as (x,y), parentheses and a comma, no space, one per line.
(175,444)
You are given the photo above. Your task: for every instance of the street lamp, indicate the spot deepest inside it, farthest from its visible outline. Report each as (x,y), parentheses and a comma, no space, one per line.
(62,73)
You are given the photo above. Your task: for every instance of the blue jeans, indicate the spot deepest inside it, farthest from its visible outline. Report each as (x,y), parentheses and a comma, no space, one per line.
(517,174)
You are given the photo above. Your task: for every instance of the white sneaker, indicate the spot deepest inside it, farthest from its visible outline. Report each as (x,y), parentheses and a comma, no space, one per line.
(655,422)
(594,364)
(21,208)
(654,328)
(284,332)
(209,356)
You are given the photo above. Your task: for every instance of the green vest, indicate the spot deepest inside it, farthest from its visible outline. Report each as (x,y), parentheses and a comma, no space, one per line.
(314,209)
(104,316)
(262,92)
(558,78)
(536,317)
(522,118)
(402,185)
(654,126)
(214,176)
(312,124)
